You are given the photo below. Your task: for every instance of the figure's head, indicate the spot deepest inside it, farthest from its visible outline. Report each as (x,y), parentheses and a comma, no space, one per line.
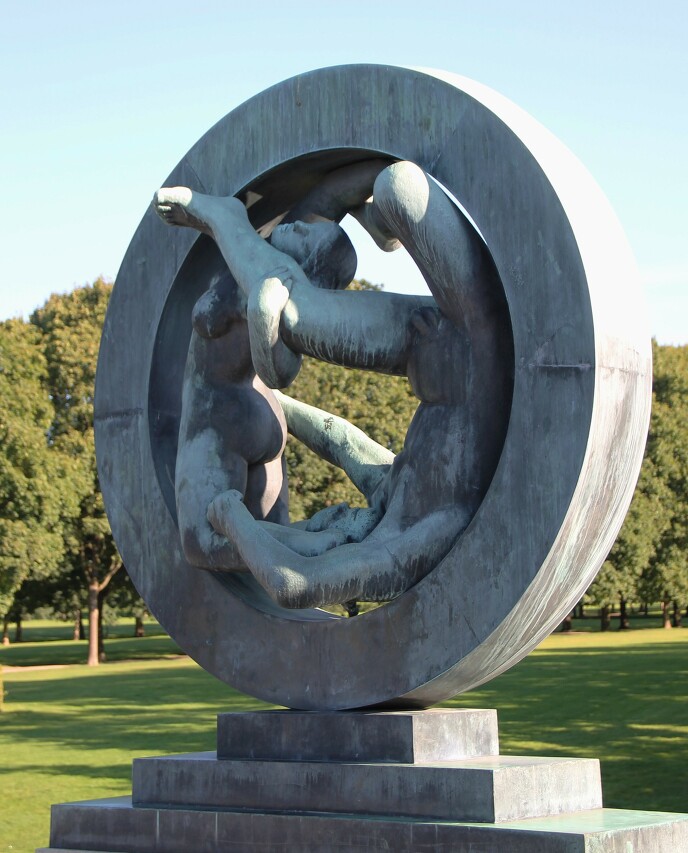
(322,249)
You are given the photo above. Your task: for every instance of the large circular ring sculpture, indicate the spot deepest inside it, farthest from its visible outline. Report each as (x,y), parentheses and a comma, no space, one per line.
(579,412)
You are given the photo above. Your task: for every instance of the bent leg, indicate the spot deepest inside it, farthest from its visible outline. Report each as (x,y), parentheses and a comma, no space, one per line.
(347,190)
(341,190)
(370,570)
(250,258)
(204,547)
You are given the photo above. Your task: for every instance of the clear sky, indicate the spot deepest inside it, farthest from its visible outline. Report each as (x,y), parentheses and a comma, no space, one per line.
(99,101)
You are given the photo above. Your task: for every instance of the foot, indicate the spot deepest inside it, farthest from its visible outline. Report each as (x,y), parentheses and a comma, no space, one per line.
(354,523)
(175,206)
(277,568)
(227,509)
(313,544)
(190,209)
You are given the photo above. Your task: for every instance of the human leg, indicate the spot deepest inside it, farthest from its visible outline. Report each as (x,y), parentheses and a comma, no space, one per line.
(195,488)
(374,570)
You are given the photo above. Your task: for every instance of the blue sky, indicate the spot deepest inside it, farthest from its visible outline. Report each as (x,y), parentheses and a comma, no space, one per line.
(100,100)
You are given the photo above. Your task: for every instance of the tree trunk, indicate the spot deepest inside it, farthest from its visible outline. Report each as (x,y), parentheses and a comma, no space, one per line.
(101,606)
(18,629)
(96,600)
(78,625)
(93,589)
(6,631)
(581,610)
(624,623)
(139,629)
(666,617)
(605,619)
(676,619)
(567,624)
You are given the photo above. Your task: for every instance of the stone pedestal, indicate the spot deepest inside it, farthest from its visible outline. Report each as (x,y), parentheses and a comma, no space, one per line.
(405,781)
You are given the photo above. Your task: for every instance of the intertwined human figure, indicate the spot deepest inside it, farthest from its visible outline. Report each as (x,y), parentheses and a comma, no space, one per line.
(455,349)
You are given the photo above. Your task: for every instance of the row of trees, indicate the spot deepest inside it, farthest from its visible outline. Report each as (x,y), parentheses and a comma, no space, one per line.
(649,560)
(56,548)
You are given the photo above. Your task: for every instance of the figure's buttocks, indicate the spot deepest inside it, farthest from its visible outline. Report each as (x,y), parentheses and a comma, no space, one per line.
(250,420)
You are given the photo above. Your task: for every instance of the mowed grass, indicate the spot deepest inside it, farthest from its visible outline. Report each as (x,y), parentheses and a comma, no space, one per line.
(621,697)
(50,643)
(71,733)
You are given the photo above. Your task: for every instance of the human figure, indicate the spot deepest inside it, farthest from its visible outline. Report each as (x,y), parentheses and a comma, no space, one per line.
(426,497)
(232,429)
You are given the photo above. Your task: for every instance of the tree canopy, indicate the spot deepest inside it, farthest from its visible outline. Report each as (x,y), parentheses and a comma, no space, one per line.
(70,327)
(665,575)
(55,539)
(649,561)
(33,501)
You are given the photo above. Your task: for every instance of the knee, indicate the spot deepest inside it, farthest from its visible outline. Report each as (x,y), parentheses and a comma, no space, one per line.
(292,591)
(401,188)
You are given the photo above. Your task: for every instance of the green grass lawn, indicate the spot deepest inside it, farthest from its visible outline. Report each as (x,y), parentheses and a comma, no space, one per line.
(50,643)
(71,733)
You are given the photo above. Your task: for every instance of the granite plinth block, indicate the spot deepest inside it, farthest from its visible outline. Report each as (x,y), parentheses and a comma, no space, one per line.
(405,737)
(486,803)
(488,789)
(116,826)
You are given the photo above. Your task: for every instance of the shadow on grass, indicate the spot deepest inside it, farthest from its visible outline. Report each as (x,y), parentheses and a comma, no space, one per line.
(169,708)
(60,652)
(627,707)
(50,630)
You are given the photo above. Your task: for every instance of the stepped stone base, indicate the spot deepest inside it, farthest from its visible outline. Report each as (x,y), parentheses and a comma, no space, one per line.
(116,826)
(432,781)
(491,789)
(406,737)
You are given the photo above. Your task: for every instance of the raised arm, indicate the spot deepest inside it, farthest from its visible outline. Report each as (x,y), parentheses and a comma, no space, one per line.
(369,330)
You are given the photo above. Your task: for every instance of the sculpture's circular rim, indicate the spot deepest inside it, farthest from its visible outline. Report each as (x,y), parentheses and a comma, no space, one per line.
(426,641)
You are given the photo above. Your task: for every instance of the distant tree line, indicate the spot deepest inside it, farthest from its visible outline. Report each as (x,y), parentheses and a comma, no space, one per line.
(649,560)
(56,547)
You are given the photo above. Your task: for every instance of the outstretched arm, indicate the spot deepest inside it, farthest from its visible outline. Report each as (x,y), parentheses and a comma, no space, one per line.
(369,330)
(336,440)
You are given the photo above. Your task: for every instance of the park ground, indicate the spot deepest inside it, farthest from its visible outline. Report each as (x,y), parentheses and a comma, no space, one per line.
(70,732)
